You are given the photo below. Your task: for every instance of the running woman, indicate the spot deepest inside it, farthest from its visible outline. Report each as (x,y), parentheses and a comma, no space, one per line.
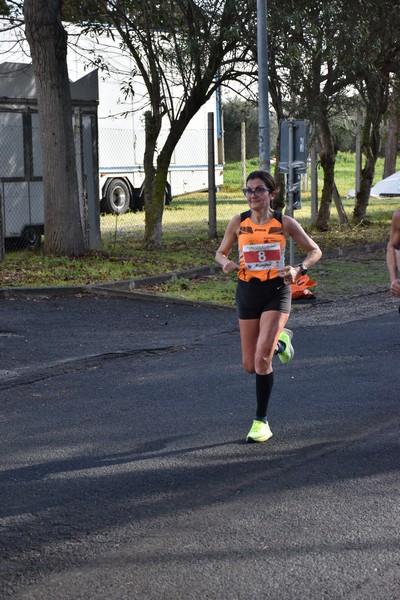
(263,296)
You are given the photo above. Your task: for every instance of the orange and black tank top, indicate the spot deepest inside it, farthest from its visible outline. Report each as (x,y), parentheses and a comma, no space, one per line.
(261,248)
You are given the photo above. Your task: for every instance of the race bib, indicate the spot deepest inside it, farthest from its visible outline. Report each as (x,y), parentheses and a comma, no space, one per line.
(262,257)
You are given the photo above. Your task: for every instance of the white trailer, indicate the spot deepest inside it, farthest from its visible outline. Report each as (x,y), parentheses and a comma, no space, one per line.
(122,136)
(122,175)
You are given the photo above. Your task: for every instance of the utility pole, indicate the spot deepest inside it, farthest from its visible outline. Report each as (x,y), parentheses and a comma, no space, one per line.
(263,104)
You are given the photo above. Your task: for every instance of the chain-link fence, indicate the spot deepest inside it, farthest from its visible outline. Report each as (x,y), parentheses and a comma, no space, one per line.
(186,209)
(20,169)
(21,183)
(187,214)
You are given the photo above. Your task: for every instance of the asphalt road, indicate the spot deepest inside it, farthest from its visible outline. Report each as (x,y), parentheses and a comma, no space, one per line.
(124,472)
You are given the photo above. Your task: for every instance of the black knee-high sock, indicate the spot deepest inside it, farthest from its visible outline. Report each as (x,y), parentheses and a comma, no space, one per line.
(264,385)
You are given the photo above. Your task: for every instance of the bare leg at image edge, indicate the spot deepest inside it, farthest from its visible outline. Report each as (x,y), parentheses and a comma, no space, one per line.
(397,254)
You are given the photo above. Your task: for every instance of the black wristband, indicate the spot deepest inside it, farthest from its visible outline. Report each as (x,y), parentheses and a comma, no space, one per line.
(303,269)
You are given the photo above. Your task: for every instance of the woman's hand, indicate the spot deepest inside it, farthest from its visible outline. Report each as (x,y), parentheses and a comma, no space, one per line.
(230,267)
(395,288)
(290,274)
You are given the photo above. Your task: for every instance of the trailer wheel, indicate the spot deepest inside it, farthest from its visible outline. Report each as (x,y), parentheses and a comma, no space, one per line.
(137,202)
(31,238)
(118,197)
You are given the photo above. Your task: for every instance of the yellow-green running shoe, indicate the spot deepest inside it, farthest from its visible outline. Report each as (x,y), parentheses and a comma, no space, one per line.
(288,353)
(259,432)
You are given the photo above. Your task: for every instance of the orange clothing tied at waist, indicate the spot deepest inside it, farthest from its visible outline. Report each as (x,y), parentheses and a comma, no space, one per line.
(261,248)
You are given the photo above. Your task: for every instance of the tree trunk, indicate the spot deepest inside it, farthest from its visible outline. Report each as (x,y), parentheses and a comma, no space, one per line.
(376,94)
(152,129)
(48,45)
(155,205)
(391,143)
(370,147)
(362,198)
(155,210)
(339,206)
(328,159)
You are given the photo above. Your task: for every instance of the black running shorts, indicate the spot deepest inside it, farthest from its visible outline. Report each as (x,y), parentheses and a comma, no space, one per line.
(254,297)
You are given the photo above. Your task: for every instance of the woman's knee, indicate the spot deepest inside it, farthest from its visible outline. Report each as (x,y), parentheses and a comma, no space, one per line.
(263,364)
(248,365)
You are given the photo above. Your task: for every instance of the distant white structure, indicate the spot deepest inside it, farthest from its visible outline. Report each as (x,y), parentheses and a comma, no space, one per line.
(390,186)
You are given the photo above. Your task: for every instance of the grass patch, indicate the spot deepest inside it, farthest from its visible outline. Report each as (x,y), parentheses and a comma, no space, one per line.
(335,278)
(217,289)
(185,239)
(33,269)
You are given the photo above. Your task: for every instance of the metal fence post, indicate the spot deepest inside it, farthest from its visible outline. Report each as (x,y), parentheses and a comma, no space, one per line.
(243,152)
(212,196)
